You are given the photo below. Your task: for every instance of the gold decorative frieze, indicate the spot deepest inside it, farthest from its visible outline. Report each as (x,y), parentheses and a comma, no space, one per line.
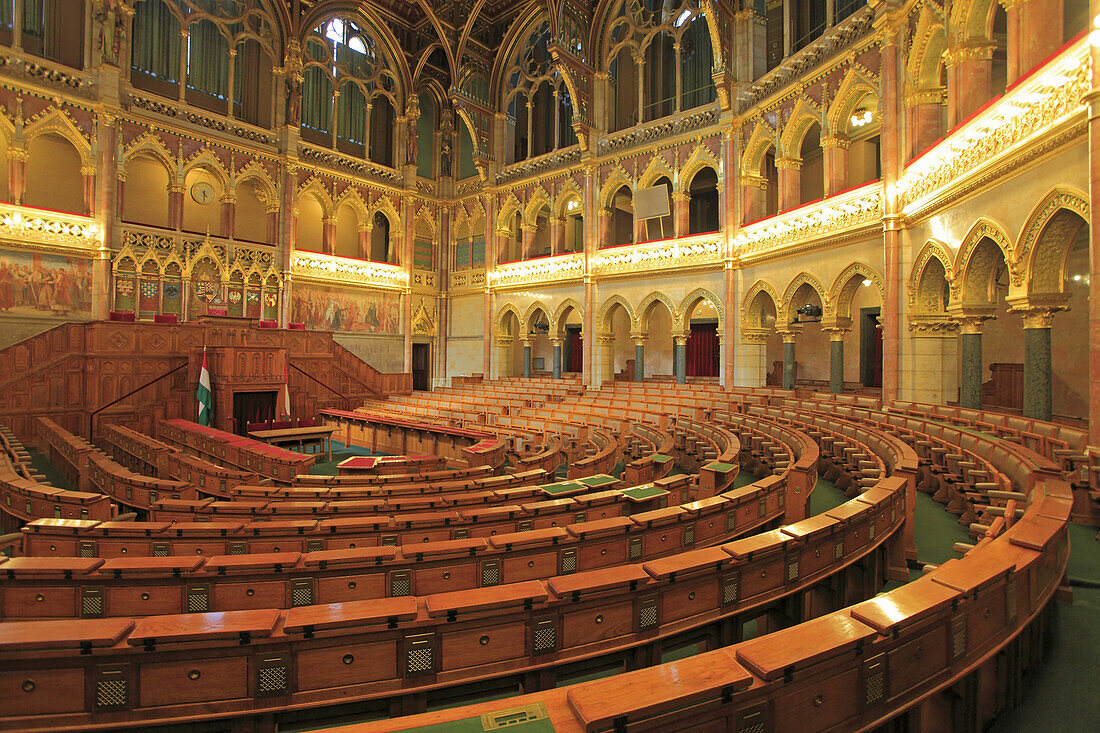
(183,245)
(343,271)
(542,270)
(40,229)
(846,212)
(687,252)
(1019,120)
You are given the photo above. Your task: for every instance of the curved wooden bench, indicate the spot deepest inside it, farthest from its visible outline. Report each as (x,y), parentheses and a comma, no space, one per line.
(316,655)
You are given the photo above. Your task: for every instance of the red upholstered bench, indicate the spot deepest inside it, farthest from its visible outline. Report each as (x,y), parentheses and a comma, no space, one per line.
(165,318)
(217,311)
(296,326)
(268,324)
(124,316)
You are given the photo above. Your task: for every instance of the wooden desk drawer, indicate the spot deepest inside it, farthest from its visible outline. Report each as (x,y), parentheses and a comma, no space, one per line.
(249,595)
(346,664)
(597,624)
(198,680)
(340,588)
(471,647)
(145,601)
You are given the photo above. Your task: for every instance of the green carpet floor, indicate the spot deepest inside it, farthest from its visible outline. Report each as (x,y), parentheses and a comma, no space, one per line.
(340,452)
(54,477)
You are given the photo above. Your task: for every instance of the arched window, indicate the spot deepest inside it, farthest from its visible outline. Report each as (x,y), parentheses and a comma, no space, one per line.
(672,40)
(622,217)
(574,226)
(207,66)
(426,125)
(165,61)
(703,207)
(540,109)
(660,69)
(380,249)
(342,56)
(811,180)
(50,29)
(155,54)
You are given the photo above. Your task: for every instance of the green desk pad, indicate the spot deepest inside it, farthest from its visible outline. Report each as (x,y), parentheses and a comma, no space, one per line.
(528,719)
(660,458)
(720,467)
(600,479)
(643,493)
(562,488)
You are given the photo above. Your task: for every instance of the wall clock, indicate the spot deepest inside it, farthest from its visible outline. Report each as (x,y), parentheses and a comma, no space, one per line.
(202,192)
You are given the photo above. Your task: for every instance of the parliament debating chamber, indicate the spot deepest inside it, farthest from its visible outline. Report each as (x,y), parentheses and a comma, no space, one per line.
(452,366)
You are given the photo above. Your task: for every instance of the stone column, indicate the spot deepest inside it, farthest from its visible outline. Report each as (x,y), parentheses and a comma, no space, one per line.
(175,205)
(680,358)
(970,357)
(1037,366)
(328,235)
(526,358)
(969,79)
(836,359)
(639,357)
(502,365)
(604,228)
(754,191)
(557,235)
(970,382)
(1040,30)
(924,120)
(364,232)
(681,215)
(17,170)
(931,374)
(272,223)
(752,363)
(834,155)
(528,240)
(557,343)
(88,176)
(788,359)
(790,182)
(604,349)
(229,216)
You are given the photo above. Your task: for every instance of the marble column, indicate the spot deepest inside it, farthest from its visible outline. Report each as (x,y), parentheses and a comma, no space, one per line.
(790,182)
(681,215)
(970,357)
(229,216)
(557,235)
(639,358)
(175,206)
(970,381)
(836,361)
(834,152)
(526,359)
(788,360)
(680,358)
(1037,366)
(557,357)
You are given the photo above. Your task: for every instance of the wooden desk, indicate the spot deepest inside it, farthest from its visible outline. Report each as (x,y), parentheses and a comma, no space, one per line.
(318,434)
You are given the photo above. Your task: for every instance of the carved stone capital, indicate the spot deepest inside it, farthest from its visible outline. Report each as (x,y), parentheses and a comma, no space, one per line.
(754,336)
(932,326)
(788,164)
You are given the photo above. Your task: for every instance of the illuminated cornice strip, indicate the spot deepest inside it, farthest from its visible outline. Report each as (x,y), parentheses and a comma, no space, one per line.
(343,271)
(1021,117)
(705,249)
(57,230)
(547,269)
(847,211)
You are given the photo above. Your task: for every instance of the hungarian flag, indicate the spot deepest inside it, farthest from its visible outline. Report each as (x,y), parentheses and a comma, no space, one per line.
(204,395)
(284,392)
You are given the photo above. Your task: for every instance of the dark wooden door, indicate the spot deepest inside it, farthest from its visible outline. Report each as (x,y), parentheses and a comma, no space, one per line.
(421,366)
(252,407)
(574,358)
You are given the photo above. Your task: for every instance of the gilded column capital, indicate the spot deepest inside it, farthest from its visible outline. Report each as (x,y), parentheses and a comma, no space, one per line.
(754,336)
(788,163)
(835,141)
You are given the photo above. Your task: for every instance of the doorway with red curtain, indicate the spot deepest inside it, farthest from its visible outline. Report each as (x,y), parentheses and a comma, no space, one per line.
(573,358)
(702,350)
